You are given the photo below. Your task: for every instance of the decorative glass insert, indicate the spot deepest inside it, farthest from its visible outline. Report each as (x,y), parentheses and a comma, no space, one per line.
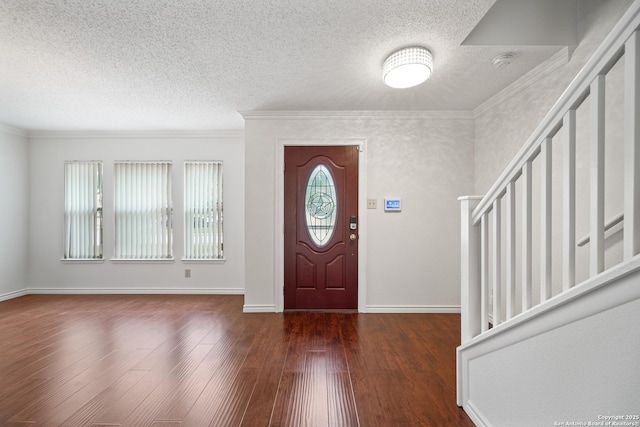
(321,205)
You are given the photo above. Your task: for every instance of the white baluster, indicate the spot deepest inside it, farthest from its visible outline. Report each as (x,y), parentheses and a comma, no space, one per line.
(496,267)
(526,235)
(545,219)
(596,227)
(569,205)
(484,273)
(631,245)
(511,249)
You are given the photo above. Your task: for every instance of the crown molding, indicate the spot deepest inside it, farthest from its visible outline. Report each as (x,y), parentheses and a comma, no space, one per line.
(557,60)
(13,131)
(95,134)
(355,115)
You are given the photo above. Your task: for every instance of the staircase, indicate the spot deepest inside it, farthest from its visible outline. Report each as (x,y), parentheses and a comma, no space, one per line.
(551,319)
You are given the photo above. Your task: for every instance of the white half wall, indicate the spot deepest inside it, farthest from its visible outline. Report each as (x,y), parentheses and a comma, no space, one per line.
(48,274)
(412,257)
(572,360)
(14,215)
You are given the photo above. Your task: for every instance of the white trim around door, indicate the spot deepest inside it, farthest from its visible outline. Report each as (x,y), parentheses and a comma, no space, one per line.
(279,214)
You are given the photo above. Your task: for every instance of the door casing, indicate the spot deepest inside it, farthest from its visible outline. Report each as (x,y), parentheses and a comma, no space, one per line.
(279,213)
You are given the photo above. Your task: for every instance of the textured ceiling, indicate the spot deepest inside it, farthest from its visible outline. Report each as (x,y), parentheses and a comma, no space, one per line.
(193,64)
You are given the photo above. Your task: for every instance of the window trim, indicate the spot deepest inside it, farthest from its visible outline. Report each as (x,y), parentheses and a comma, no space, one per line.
(98,214)
(170,216)
(219,213)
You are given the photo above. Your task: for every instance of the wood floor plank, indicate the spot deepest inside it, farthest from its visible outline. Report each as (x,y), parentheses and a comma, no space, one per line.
(69,372)
(165,392)
(88,412)
(371,411)
(188,389)
(232,411)
(108,373)
(341,400)
(23,389)
(222,384)
(269,357)
(155,382)
(198,360)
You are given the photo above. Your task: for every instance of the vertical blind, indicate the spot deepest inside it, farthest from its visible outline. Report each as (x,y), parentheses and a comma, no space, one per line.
(82,210)
(203,210)
(143,210)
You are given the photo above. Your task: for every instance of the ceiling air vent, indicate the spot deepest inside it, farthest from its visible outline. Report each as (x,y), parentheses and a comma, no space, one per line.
(503,59)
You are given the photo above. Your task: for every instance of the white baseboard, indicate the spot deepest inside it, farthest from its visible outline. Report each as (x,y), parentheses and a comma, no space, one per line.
(475,415)
(270,308)
(413,309)
(259,308)
(140,290)
(14,294)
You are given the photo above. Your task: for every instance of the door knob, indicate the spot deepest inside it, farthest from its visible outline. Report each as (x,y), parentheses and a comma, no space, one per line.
(352,237)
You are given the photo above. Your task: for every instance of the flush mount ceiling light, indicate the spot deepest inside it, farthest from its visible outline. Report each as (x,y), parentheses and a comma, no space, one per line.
(407,67)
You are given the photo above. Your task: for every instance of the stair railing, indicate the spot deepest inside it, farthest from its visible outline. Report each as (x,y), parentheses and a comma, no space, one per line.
(481,263)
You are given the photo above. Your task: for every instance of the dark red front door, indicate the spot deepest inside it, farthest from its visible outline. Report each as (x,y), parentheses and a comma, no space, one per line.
(321,229)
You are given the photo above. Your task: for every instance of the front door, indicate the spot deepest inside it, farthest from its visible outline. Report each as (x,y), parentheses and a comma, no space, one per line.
(321,227)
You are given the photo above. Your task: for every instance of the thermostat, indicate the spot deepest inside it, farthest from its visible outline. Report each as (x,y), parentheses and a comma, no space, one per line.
(393,205)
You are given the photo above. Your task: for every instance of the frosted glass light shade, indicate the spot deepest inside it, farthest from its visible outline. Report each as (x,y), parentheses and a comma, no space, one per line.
(407,67)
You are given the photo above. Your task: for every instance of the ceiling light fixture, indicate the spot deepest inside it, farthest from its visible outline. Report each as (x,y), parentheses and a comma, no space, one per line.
(407,67)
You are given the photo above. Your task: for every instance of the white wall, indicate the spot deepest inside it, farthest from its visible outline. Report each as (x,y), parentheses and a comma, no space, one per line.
(14,187)
(413,261)
(49,150)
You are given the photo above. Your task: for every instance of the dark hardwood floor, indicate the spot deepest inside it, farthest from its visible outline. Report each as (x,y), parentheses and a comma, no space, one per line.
(197,360)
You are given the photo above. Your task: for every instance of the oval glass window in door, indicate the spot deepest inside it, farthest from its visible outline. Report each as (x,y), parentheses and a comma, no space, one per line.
(320,205)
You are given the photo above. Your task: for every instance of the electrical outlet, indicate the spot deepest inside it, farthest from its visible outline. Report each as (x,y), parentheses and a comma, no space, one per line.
(187,272)
(372,203)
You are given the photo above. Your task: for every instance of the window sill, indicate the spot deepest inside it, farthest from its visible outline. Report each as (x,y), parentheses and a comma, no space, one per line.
(82,260)
(142,261)
(204,261)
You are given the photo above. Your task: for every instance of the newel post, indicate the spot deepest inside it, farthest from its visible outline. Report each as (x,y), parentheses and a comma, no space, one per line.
(470,301)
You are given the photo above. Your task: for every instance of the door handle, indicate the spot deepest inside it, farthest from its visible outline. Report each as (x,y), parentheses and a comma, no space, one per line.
(353,236)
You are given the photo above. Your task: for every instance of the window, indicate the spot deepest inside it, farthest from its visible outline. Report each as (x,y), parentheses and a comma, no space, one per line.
(320,202)
(143,210)
(203,210)
(83,210)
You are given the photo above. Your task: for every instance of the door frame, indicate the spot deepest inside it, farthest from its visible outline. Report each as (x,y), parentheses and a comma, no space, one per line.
(279,213)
